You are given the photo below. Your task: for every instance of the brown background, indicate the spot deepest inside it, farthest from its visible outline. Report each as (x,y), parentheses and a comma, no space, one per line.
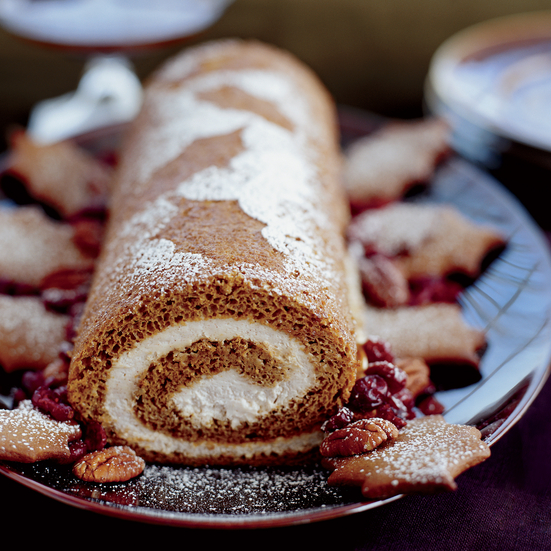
(371,54)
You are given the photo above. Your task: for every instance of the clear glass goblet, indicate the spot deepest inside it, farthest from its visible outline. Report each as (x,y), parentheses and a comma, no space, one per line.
(108,33)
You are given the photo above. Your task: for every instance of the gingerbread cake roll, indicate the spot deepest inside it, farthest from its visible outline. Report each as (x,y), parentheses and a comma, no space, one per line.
(218,328)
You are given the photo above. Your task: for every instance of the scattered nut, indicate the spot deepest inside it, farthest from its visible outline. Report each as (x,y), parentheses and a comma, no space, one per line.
(418,374)
(115,464)
(88,236)
(382,282)
(57,370)
(359,437)
(425,457)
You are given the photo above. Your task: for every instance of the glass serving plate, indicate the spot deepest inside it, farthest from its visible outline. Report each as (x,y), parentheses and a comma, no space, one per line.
(511,302)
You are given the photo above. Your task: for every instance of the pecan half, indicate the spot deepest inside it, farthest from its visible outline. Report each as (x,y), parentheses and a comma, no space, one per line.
(115,464)
(359,437)
(418,374)
(382,282)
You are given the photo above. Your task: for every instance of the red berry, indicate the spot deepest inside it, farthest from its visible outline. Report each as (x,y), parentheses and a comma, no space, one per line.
(395,377)
(378,351)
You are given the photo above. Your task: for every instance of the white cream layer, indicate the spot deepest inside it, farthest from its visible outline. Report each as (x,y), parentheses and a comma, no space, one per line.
(227,396)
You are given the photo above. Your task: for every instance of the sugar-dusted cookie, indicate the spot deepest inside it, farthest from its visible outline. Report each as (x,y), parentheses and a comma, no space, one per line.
(434,332)
(60,175)
(425,239)
(383,166)
(33,246)
(425,457)
(30,335)
(27,435)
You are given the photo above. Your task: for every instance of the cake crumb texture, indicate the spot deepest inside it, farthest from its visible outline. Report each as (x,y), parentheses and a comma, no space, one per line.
(227,206)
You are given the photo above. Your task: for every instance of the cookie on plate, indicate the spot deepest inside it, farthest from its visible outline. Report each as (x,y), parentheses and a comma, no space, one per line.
(406,252)
(30,336)
(425,239)
(435,332)
(34,246)
(426,457)
(383,166)
(27,435)
(60,175)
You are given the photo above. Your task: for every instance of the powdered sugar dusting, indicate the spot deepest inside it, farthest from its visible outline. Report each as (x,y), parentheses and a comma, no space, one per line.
(160,255)
(29,334)
(182,118)
(179,67)
(26,434)
(273,184)
(210,495)
(427,455)
(239,491)
(34,245)
(399,227)
(269,86)
(149,221)
(408,461)
(274,179)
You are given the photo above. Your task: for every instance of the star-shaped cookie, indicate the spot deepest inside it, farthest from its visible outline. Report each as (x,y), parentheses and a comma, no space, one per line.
(61,175)
(381,167)
(33,246)
(426,239)
(434,332)
(27,435)
(426,457)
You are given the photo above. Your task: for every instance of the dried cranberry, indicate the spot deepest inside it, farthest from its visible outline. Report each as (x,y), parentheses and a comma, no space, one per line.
(53,402)
(13,288)
(378,351)
(397,406)
(380,393)
(78,450)
(31,380)
(385,411)
(94,439)
(342,418)
(430,406)
(425,290)
(395,377)
(61,300)
(94,436)
(368,393)
(18,395)
(357,207)
(109,158)
(406,397)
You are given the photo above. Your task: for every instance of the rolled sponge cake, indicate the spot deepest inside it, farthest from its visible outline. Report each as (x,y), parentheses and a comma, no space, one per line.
(218,328)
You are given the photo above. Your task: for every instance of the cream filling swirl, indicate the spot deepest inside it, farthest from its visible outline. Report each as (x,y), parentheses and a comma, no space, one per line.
(226,396)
